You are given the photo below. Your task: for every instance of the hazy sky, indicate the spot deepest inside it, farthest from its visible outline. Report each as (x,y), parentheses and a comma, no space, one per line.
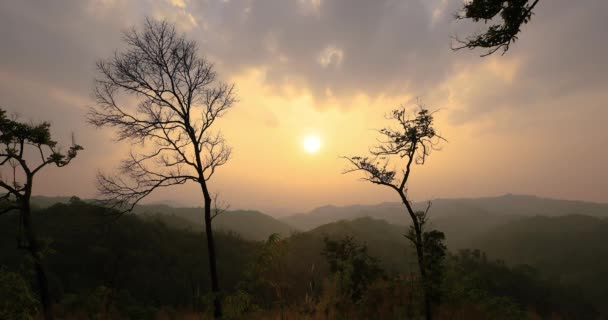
(532,121)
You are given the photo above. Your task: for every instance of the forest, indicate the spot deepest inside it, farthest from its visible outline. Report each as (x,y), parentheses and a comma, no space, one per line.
(356,267)
(161,101)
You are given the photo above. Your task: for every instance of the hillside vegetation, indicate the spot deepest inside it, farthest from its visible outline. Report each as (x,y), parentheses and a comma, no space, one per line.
(102,265)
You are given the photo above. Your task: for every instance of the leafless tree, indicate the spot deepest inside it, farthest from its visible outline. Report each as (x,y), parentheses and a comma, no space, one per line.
(175,98)
(218,206)
(20,145)
(409,143)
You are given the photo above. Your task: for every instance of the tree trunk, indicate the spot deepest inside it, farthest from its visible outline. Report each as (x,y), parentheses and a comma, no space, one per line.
(423,277)
(215,287)
(420,255)
(33,247)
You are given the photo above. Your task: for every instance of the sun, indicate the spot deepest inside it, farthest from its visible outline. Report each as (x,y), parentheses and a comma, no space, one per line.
(312,144)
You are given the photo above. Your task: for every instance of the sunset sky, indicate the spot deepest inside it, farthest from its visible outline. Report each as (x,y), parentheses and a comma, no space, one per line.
(533,121)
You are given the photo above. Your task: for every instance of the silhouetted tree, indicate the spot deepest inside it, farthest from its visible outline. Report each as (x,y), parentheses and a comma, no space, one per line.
(179,98)
(412,141)
(20,144)
(511,16)
(16,299)
(269,268)
(355,268)
(434,252)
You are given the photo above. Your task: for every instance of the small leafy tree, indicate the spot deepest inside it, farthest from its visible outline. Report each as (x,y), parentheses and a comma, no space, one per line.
(354,267)
(176,99)
(269,268)
(20,144)
(409,143)
(16,300)
(511,14)
(434,257)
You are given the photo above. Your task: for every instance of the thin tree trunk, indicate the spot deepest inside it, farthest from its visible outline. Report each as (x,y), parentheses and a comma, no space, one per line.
(33,247)
(215,287)
(427,299)
(420,255)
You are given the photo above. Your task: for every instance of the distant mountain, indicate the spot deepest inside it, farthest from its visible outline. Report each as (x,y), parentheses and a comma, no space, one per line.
(385,241)
(570,249)
(462,220)
(390,212)
(42,202)
(306,264)
(509,205)
(251,225)
(541,240)
(526,205)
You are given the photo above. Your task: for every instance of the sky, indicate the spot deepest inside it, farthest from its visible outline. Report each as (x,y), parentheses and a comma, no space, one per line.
(532,121)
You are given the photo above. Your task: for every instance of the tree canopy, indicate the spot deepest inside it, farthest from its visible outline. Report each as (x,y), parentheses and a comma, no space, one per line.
(505,19)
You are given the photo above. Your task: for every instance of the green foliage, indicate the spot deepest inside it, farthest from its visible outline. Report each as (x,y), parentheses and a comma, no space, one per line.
(267,273)
(353,266)
(12,131)
(14,135)
(146,264)
(137,268)
(238,305)
(434,255)
(17,301)
(512,15)
(413,138)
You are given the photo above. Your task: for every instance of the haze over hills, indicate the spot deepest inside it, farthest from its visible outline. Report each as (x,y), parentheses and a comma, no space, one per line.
(249,224)
(566,250)
(563,240)
(385,241)
(507,207)
(462,220)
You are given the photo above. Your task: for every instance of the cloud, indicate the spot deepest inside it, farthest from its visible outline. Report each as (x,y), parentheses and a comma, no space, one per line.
(330,56)
(381,47)
(347,47)
(302,62)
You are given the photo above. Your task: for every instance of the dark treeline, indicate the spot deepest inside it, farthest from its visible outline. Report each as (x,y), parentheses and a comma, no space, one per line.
(140,268)
(127,264)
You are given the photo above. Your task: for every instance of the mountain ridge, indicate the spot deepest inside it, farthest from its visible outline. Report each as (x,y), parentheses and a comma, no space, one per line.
(393,212)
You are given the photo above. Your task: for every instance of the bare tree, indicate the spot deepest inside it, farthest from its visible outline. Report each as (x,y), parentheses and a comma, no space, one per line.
(177,100)
(512,14)
(410,143)
(20,145)
(218,206)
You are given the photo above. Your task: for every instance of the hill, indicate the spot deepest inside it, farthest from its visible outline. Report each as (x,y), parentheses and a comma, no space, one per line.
(393,212)
(143,266)
(569,249)
(251,225)
(383,240)
(460,219)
